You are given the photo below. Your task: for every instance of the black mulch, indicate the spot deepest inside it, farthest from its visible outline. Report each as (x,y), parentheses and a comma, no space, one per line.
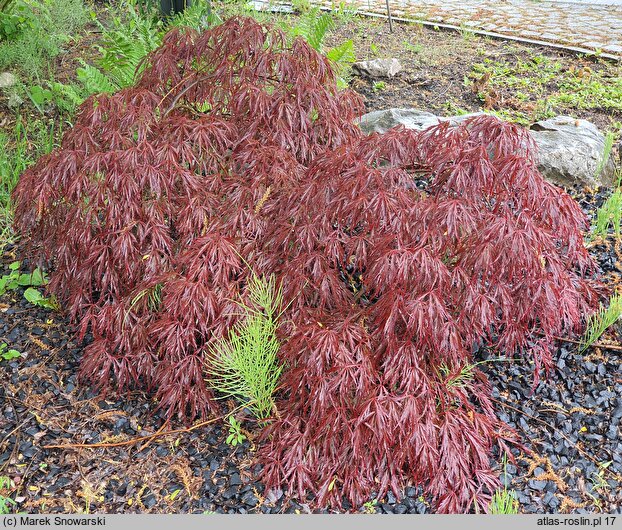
(571,422)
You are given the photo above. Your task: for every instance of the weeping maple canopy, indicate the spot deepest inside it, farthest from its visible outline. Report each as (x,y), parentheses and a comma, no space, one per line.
(236,149)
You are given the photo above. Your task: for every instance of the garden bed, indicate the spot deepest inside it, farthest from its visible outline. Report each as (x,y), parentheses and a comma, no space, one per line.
(570,422)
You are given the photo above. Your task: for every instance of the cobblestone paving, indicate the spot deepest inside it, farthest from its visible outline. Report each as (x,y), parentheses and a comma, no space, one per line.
(584,25)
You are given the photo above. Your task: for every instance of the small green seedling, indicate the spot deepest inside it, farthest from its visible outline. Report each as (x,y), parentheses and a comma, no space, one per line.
(598,478)
(370,506)
(6,354)
(414,48)
(378,86)
(40,97)
(36,298)
(600,321)
(15,279)
(235,432)
(5,502)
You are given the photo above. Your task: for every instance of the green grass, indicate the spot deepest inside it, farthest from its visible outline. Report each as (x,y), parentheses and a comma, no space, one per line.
(542,87)
(609,215)
(48,25)
(17,153)
(503,502)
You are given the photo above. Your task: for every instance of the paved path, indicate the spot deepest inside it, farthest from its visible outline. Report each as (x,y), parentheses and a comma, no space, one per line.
(589,24)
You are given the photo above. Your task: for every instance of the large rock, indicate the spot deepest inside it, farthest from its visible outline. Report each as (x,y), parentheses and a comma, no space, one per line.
(7,80)
(569,150)
(378,68)
(381,121)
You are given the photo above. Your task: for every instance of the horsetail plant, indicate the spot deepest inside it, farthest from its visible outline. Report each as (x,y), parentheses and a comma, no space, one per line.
(598,323)
(245,364)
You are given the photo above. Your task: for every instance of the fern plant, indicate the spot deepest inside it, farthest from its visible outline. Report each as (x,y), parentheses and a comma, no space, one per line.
(125,44)
(314,27)
(245,365)
(600,321)
(129,39)
(5,5)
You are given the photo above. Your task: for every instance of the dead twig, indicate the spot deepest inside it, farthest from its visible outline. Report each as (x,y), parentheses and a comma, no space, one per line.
(158,433)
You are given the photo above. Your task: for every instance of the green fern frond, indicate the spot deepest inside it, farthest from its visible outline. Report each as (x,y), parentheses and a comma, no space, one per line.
(125,44)
(313,27)
(95,81)
(599,322)
(344,53)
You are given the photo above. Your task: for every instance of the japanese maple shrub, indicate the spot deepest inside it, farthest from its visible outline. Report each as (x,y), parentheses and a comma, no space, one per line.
(398,255)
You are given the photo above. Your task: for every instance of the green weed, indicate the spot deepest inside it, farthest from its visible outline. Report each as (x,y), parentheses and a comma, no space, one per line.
(16,155)
(379,86)
(370,506)
(503,501)
(5,502)
(466,32)
(547,87)
(15,279)
(609,215)
(413,48)
(598,477)
(235,432)
(8,354)
(604,159)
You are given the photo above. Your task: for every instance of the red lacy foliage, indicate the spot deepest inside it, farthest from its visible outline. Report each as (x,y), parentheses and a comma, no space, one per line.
(235,146)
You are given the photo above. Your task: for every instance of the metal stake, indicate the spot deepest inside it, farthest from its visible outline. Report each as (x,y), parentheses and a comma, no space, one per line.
(390,18)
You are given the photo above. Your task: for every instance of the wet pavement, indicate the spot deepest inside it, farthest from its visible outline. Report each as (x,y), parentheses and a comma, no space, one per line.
(590,25)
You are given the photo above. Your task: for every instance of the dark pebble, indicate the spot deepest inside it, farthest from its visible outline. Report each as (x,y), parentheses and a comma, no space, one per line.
(249,499)
(230,492)
(149,501)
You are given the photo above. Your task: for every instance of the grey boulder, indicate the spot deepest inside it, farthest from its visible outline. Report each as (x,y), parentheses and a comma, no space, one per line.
(378,68)
(568,150)
(7,80)
(381,121)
